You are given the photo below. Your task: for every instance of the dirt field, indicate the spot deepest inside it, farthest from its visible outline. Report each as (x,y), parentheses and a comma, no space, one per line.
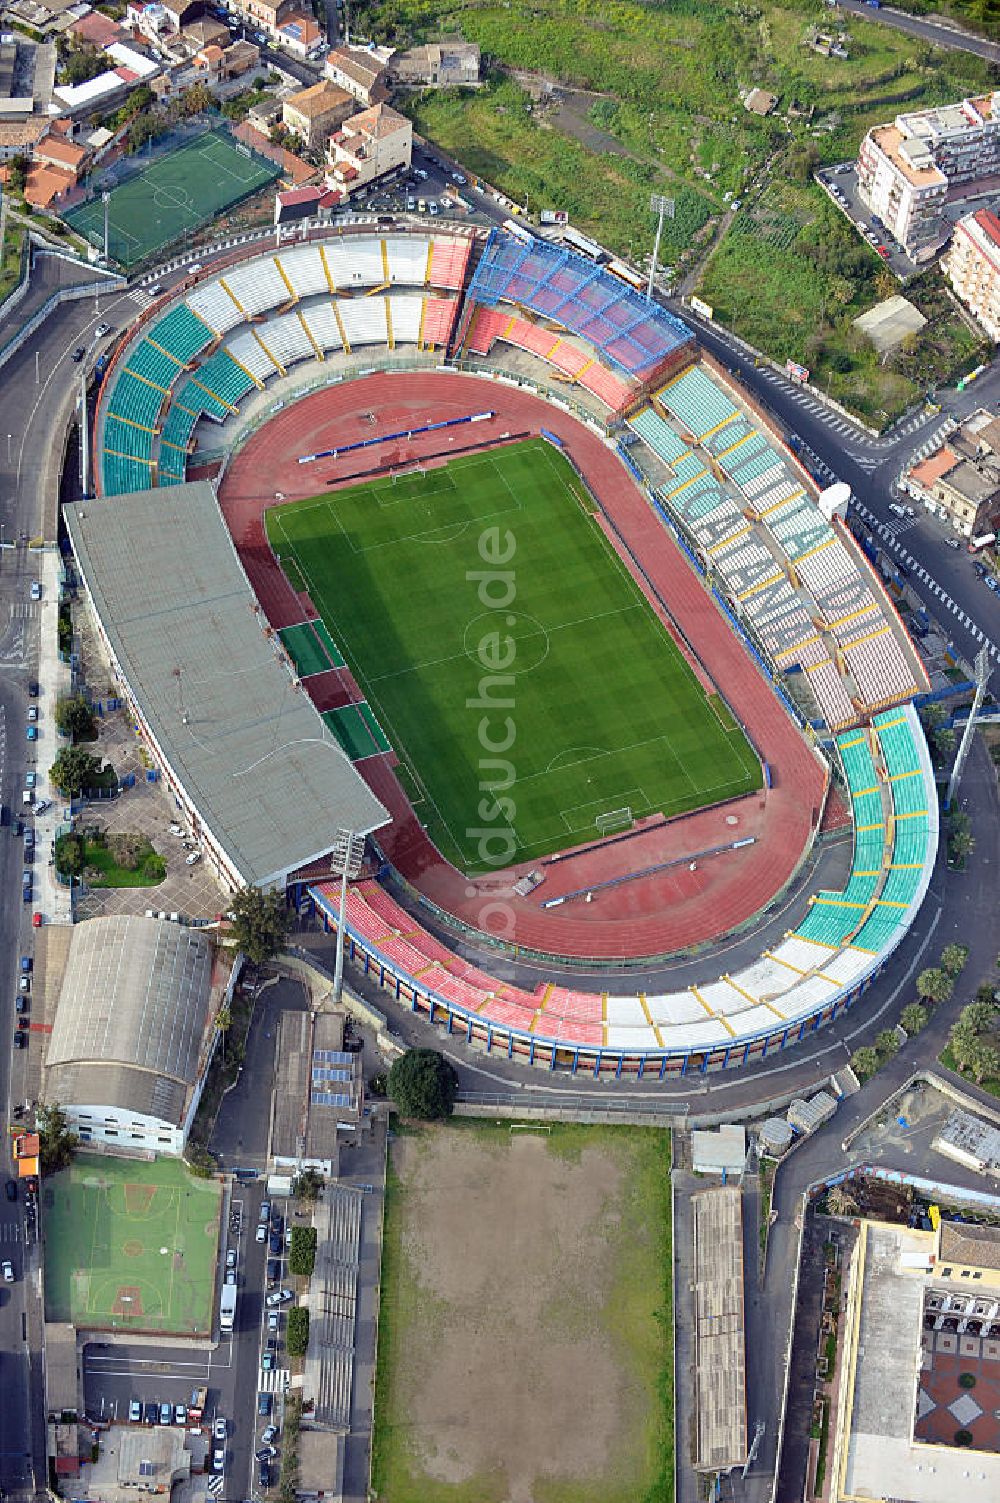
(525,1334)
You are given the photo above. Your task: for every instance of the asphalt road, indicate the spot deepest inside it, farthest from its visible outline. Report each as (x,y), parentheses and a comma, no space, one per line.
(936,31)
(240,1139)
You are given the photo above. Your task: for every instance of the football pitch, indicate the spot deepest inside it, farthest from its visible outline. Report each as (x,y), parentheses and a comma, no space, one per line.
(519,673)
(131,1245)
(175,194)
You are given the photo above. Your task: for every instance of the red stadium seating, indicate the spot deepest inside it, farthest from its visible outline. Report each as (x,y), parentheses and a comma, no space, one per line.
(449,259)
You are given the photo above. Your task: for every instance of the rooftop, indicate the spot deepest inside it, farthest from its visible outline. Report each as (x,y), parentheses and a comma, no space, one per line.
(719,1341)
(246,743)
(132,1016)
(319,99)
(971,1246)
(377,123)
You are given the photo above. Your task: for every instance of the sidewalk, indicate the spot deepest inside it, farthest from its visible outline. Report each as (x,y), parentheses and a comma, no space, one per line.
(52,899)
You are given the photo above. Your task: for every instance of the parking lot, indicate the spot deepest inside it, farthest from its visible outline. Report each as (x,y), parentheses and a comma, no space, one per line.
(841,184)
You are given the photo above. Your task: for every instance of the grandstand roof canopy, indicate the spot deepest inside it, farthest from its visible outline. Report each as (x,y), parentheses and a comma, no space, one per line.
(132,1016)
(631,333)
(242,738)
(719,1350)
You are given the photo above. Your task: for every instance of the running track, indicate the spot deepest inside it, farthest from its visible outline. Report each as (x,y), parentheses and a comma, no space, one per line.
(652,915)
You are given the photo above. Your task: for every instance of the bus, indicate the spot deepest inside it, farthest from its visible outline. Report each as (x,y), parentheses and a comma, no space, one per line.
(581,243)
(227,1309)
(626,274)
(976,545)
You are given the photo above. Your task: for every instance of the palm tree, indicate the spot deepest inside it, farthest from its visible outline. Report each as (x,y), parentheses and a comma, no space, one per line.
(953,958)
(864,1062)
(223,1022)
(934,985)
(887,1044)
(841,1202)
(914,1017)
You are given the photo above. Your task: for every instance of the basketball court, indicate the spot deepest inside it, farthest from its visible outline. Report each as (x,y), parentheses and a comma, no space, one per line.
(131,1245)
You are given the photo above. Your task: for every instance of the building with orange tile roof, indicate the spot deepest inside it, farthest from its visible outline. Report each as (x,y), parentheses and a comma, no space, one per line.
(974,267)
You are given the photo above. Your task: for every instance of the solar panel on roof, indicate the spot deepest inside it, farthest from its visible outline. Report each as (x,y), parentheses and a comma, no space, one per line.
(331,1057)
(325,1098)
(326,1072)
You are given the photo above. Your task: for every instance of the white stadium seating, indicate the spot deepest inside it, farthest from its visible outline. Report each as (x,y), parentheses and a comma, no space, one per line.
(303,266)
(256,286)
(364,320)
(245,349)
(214,305)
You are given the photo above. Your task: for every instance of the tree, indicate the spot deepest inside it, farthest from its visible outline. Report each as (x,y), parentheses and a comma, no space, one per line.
(306,1186)
(841,1202)
(297,1331)
(75,718)
(302,1252)
(864,1062)
(259,923)
(423,1084)
(914,1017)
(197,99)
(17,173)
(886,1044)
(75,770)
(934,985)
(953,958)
(223,1022)
(57,1144)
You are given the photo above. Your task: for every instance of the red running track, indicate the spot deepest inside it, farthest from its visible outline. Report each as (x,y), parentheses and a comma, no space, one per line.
(651,915)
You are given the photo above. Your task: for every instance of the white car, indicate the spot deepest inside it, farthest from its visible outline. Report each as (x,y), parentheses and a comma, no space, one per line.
(7,1269)
(219,1428)
(218,1459)
(42,804)
(176,829)
(194,856)
(261,1234)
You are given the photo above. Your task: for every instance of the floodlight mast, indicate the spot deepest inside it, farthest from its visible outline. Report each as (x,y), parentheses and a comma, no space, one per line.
(660,206)
(983,671)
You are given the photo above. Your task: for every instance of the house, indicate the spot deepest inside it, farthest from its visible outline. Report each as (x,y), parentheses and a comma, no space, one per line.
(54,150)
(151,20)
(368,146)
(206,33)
(299,33)
(315,113)
(974,267)
(238,58)
(294,204)
(438,65)
(209,61)
(264,113)
(18,138)
(95,30)
(960,481)
(759,102)
(361,71)
(267,15)
(181,11)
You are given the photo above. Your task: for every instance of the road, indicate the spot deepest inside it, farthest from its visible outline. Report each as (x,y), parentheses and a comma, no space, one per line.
(941,33)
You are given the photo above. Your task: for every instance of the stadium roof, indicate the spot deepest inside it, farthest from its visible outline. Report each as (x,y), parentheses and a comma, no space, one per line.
(631,333)
(132,1016)
(241,736)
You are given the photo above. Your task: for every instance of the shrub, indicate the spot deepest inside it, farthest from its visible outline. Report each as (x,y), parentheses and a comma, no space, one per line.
(297,1331)
(966,1380)
(302,1253)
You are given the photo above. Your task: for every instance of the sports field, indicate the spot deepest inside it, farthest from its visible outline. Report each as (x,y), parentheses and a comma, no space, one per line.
(175,194)
(132,1245)
(524,1343)
(519,673)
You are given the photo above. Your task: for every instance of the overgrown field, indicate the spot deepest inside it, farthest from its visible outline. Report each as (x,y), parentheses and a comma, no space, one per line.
(525,1325)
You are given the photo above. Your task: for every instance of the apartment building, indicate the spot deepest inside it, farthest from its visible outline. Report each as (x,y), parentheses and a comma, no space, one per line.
(909,169)
(367,147)
(361,71)
(315,113)
(960,481)
(974,267)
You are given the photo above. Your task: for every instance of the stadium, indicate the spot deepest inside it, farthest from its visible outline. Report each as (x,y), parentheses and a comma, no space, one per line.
(467,560)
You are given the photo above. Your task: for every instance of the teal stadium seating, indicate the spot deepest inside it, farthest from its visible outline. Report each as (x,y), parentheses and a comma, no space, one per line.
(223,379)
(697,402)
(659,435)
(182,333)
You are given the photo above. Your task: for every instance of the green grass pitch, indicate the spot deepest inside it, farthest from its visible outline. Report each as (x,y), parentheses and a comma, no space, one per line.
(131,1245)
(174,194)
(596,710)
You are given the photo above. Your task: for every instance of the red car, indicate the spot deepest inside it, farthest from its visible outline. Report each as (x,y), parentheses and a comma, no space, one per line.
(883,251)
(36,920)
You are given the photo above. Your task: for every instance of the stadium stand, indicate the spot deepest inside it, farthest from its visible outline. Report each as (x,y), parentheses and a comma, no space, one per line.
(491,324)
(304,269)
(697,402)
(180,334)
(448,261)
(816,970)
(637,337)
(221,378)
(213,305)
(256,286)
(364,320)
(247,350)
(438,321)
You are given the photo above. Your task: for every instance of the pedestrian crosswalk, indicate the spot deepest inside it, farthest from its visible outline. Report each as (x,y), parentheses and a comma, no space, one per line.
(275,1381)
(216,1485)
(939,597)
(10,1231)
(23,610)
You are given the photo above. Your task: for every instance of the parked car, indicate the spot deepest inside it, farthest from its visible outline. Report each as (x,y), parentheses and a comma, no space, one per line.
(25,965)
(33,688)
(273,1270)
(7,1269)
(152,1414)
(32,712)
(30,779)
(166,1413)
(194,856)
(78,354)
(18,1003)
(263,1404)
(134,1411)
(265,1453)
(42,804)
(265,1212)
(272,1320)
(882,251)
(267,1362)
(180,1414)
(230,1275)
(10,1189)
(219,1458)
(20,1039)
(265,1476)
(952,543)
(275,1244)
(102,331)
(231,1257)
(32,732)
(261,1234)
(219,1428)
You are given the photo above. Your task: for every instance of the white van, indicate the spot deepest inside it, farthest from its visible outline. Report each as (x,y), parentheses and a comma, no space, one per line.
(896,509)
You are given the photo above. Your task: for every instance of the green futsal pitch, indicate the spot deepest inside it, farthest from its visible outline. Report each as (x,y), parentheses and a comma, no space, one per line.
(131,1245)
(172,196)
(521,676)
